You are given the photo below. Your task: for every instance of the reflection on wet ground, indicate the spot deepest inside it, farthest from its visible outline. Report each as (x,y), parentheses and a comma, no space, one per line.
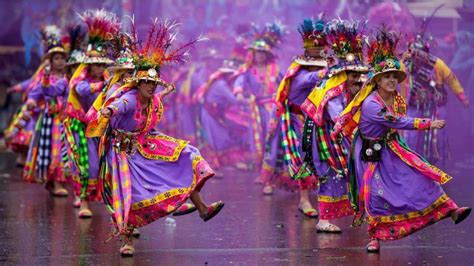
(252,229)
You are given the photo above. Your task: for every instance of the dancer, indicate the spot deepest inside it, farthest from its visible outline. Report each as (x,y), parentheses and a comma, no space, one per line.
(323,106)
(44,163)
(85,85)
(283,159)
(397,189)
(256,84)
(147,175)
(427,97)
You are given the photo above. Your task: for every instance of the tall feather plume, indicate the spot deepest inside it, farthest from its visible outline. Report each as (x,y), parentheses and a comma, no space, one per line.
(51,37)
(314,30)
(76,34)
(158,48)
(345,36)
(101,24)
(383,46)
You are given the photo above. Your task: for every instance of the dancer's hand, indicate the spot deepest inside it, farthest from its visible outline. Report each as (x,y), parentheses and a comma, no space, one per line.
(106,112)
(437,124)
(240,97)
(30,104)
(466,103)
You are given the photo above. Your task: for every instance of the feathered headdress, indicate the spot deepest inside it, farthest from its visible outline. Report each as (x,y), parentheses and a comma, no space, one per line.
(346,40)
(53,41)
(158,50)
(422,41)
(382,54)
(121,49)
(382,58)
(269,37)
(102,26)
(77,36)
(313,33)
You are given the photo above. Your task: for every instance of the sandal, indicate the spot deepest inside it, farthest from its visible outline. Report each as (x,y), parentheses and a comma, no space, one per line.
(328,228)
(242,166)
(184,209)
(77,202)
(309,212)
(62,192)
(212,211)
(373,246)
(85,214)
(267,190)
(135,233)
(127,250)
(460,214)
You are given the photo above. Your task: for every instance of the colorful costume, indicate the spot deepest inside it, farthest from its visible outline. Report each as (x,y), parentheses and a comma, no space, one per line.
(427,97)
(323,106)
(397,189)
(145,175)
(44,163)
(283,159)
(22,125)
(83,92)
(221,118)
(258,87)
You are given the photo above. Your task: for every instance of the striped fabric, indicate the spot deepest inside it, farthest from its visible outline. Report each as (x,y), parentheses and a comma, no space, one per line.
(83,156)
(297,168)
(43,159)
(121,190)
(256,127)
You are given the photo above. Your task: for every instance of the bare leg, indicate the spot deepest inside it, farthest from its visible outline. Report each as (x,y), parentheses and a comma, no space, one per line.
(305,203)
(84,211)
(198,202)
(58,186)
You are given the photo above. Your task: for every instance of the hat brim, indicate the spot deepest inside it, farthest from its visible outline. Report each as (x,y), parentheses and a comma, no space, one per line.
(307,61)
(70,64)
(52,51)
(227,70)
(135,80)
(401,76)
(355,68)
(261,49)
(115,68)
(98,60)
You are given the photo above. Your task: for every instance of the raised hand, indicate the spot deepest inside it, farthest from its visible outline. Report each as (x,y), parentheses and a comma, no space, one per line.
(437,124)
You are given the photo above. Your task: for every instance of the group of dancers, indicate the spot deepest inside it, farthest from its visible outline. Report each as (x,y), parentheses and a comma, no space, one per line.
(95,111)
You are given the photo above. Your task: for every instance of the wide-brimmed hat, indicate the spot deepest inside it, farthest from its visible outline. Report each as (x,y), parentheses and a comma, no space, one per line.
(313,35)
(149,56)
(102,26)
(267,38)
(52,41)
(382,56)
(346,39)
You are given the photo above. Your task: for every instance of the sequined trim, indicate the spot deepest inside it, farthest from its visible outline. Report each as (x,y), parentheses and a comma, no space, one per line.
(410,215)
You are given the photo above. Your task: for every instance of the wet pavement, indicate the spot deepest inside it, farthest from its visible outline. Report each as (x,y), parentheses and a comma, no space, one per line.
(252,229)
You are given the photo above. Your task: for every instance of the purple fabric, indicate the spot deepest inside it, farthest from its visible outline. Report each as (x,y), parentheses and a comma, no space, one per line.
(219,132)
(24,85)
(56,88)
(300,87)
(332,183)
(149,177)
(250,85)
(188,112)
(86,96)
(415,139)
(395,188)
(112,89)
